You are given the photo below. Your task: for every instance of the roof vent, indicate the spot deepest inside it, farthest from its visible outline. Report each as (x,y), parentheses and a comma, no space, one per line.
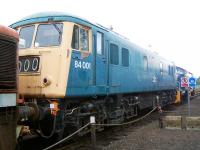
(111,28)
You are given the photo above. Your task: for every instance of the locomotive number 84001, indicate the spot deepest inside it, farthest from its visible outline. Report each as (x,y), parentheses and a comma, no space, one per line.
(81,69)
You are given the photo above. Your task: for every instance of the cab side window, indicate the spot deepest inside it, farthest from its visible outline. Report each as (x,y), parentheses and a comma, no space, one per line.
(75,38)
(80,38)
(83,39)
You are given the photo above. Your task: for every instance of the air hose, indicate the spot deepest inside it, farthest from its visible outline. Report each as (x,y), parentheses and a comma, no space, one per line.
(52,132)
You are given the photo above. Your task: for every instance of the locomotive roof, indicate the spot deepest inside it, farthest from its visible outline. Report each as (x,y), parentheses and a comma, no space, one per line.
(8,32)
(52,16)
(59,16)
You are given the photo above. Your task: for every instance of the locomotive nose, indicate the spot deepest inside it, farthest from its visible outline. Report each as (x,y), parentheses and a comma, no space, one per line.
(40,76)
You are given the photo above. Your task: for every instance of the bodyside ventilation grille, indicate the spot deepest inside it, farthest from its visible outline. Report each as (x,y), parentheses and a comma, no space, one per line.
(8,66)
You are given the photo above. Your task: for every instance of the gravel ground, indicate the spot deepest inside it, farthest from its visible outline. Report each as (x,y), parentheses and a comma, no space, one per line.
(150,137)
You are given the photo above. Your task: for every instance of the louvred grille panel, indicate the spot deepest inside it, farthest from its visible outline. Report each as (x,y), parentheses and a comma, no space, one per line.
(8,51)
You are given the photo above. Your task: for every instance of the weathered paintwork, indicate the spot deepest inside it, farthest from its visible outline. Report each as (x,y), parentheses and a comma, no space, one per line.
(54,64)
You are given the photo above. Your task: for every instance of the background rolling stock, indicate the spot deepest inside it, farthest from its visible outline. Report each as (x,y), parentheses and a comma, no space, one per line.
(8,87)
(182,91)
(71,68)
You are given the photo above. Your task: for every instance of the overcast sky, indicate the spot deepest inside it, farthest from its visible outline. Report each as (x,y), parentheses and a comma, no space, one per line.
(168,27)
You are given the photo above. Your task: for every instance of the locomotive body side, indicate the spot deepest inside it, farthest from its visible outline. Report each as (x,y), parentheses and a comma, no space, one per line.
(86,73)
(145,71)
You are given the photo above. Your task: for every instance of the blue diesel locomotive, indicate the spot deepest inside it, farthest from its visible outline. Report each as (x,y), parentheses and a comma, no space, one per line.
(70,69)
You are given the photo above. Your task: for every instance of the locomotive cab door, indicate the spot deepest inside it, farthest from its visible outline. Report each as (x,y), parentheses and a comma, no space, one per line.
(100,53)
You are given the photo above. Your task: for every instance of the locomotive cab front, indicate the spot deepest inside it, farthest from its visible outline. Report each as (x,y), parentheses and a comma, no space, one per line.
(45,56)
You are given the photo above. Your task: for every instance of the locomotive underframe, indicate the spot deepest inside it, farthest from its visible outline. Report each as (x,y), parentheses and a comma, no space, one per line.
(75,112)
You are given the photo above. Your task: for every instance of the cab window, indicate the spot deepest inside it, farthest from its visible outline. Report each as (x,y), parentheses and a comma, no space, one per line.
(26,36)
(49,35)
(80,38)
